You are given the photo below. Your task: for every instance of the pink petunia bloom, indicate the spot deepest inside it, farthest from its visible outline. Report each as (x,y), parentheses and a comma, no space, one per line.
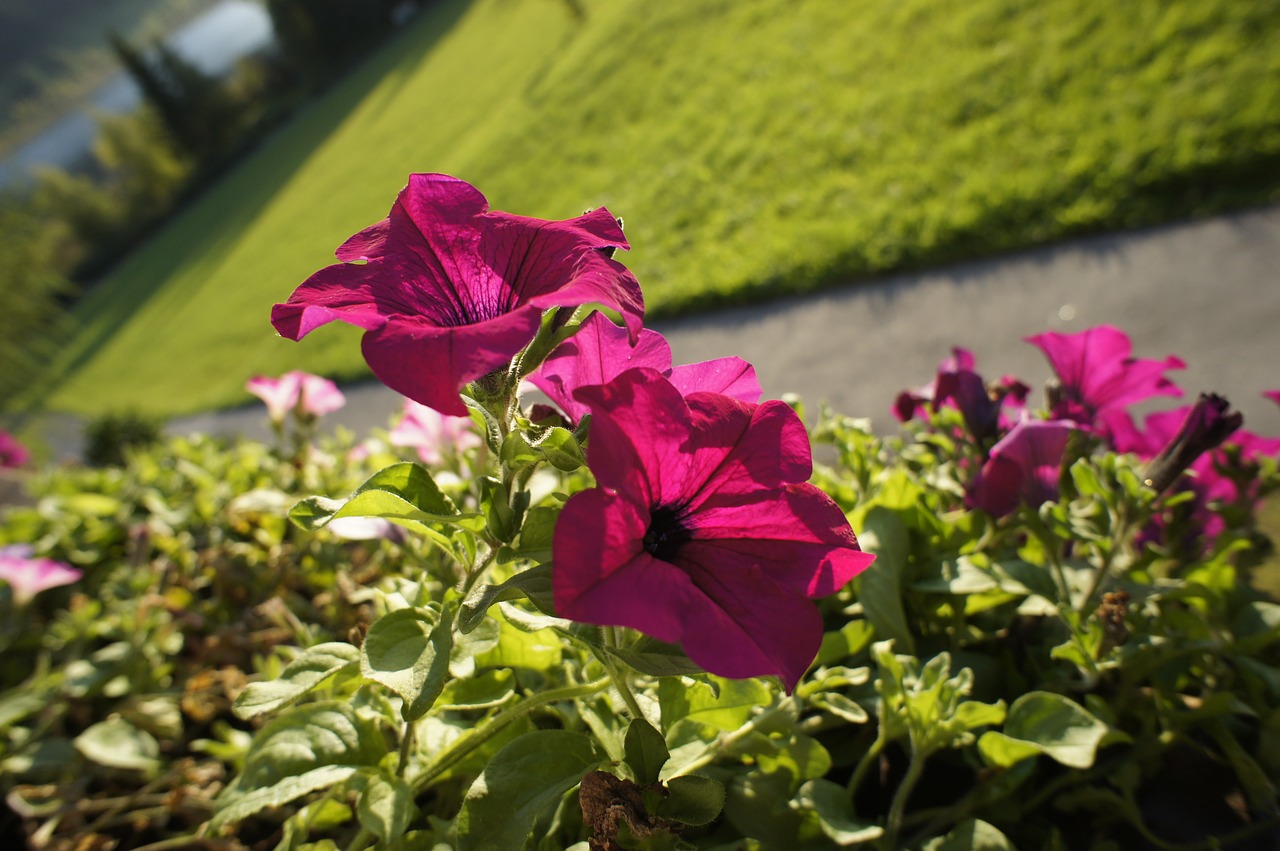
(958,385)
(12,452)
(433,434)
(1215,474)
(1023,468)
(1098,377)
(309,395)
(448,292)
(1273,395)
(28,576)
(601,351)
(703,528)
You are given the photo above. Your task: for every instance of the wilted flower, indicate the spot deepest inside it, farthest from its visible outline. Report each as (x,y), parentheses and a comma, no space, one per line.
(12,452)
(1023,468)
(703,529)
(433,434)
(1097,376)
(28,576)
(309,395)
(448,292)
(600,351)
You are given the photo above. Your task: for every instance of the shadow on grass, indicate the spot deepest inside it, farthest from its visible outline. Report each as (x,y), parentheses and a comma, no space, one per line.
(215,217)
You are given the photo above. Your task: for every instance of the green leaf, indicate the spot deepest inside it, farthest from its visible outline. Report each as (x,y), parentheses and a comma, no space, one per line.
(1048,723)
(971,835)
(116,743)
(960,577)
(841,706)
(656,658)
(404,493)
(830,802)
(697,703)
(488,689)
(287,790)
(879,587)
(305,737)
(560,448)
(408,652)
(646,751)
(1023,576)
(533,584)
(304,674)
(386,807)
(522,781)
(693,800)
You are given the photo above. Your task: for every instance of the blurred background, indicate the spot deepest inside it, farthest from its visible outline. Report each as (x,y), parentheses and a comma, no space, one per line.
(838,192)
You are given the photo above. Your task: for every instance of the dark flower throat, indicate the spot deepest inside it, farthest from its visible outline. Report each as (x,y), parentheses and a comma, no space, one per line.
(667,532)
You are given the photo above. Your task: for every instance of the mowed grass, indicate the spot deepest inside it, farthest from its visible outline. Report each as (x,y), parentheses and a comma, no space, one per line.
(755,148)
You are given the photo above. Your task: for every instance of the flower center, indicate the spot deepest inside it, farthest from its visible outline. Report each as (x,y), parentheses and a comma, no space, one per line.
(667,532)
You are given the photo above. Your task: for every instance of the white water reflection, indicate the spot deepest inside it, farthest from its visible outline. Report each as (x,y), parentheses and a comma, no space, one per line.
(213,42)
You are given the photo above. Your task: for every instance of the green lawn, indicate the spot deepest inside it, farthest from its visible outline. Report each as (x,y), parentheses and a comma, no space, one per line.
(754,148)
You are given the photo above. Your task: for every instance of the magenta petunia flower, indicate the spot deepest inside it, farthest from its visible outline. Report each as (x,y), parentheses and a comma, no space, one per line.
(1273,395)
(1098,377)
(28,576)
(448,292)
(702,529)
(12,453)
(601,351)
(1023,468)
(433,434)
(310,395)
(958,384)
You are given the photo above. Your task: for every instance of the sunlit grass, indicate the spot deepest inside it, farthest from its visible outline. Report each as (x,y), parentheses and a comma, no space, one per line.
(753,148)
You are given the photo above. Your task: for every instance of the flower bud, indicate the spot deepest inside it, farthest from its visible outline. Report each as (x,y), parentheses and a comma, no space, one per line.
(1207,425)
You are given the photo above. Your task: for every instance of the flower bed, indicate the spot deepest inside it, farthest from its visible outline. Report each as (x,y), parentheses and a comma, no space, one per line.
(641,618)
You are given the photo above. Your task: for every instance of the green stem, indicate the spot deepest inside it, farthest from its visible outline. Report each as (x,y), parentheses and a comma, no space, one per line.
(619,677)
(893,826)
(459,750)
(406,747)
(1104,569)
(864,764)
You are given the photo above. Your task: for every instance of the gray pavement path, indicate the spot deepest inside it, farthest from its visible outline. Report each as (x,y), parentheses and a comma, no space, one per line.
(1206,291)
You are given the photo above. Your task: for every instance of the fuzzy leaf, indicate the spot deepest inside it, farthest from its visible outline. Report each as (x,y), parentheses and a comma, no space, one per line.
(522,781)
(646,751)
(408,652)
(693,800)
(303,674)
(1049,723)
(288,789)
(403,493)
(880,585)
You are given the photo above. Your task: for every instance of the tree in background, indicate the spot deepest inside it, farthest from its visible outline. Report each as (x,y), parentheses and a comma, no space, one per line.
(202,118)
(30,289)
(320,37)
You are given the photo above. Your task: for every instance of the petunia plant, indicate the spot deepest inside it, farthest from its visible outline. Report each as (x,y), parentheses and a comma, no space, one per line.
(639,616)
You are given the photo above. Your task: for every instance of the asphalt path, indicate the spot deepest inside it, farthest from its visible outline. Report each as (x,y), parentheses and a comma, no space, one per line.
(1207,291)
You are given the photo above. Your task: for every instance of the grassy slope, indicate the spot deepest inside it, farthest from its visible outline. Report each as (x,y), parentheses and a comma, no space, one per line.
(754,148)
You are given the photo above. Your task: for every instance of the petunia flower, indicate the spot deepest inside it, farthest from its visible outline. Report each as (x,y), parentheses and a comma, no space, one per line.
(702,529)
(433,434)
(1098,377)
(28,576)
(448,292)
(1023,468)
(958,384)
(1218,476)
(601,351)
(309,395)
(12,452)
(1273,395)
